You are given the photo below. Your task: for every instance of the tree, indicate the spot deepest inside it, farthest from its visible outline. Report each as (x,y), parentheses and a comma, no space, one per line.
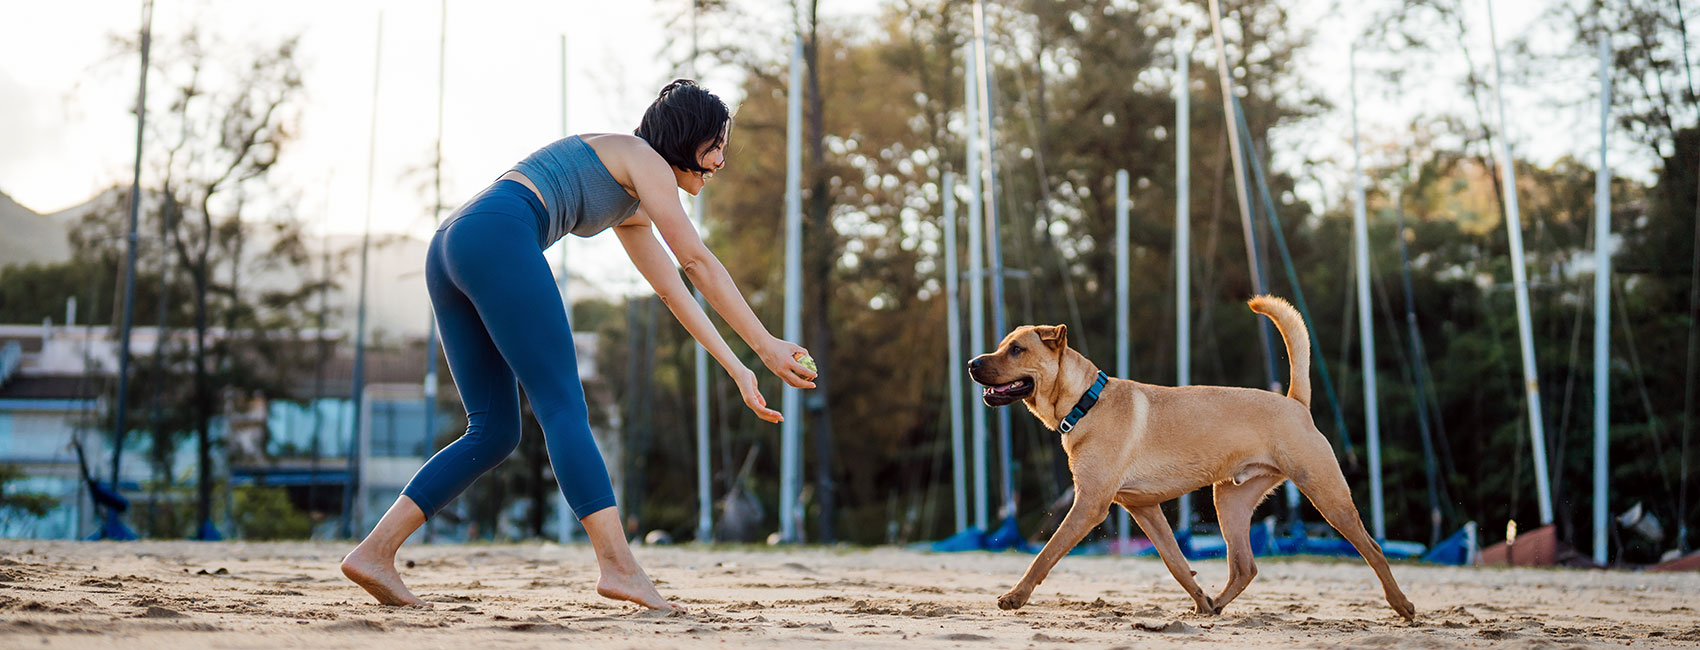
(16,503)
(221,122)
(1654,107)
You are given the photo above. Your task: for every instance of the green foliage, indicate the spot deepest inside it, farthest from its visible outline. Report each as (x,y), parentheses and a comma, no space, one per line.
(1082,92)
(13,502)
(265,513)
(167,510)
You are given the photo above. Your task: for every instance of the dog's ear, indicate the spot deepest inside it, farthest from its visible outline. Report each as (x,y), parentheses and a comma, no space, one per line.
(1054,337)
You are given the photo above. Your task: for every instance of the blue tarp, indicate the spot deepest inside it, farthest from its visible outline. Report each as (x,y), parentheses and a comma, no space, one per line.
(1007,537)
(1459,549)
(1264,542)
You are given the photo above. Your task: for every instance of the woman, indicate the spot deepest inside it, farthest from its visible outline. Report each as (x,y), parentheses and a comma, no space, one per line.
(501,320)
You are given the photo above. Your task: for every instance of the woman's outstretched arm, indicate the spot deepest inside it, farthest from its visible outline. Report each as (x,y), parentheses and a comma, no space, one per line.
(658,269)
(659,194)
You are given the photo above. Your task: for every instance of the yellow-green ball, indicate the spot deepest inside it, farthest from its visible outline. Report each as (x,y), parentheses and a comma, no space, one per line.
(807,361)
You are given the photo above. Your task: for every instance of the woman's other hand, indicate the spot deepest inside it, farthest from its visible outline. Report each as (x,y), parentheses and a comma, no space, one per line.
(746,379)
(781,357)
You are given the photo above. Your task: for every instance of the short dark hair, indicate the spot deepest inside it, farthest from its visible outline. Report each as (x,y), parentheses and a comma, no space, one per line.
(682,118)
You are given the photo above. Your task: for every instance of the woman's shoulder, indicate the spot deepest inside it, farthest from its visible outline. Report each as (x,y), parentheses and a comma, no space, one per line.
(615,143)
(622,150)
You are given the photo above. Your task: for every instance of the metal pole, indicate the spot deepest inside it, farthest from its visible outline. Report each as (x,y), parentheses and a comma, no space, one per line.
(791,434)
(976,294)
(1183,241)
(1418,365)
(320,349)
(561,246)
(567,524)
(431,341)
(705,495)
(953,330)
(120,426)
(1248,229)
(1123,366)
(1236,149)
(1514,227)
(1366,331)
(1602,311)
(995,249)
(352,507)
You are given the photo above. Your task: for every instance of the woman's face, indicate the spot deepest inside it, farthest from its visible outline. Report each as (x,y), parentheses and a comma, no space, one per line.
(711,156)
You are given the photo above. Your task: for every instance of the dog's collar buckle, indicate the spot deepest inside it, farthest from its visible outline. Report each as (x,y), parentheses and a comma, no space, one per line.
(1085,403)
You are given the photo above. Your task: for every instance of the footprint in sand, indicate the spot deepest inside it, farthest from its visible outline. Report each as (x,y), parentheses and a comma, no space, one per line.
(38,607)
(155,611)
(450,598)
(16,575)
(356,625)
(552,628)
(964,636)
(1169,627)
(101,583)
(1254,620)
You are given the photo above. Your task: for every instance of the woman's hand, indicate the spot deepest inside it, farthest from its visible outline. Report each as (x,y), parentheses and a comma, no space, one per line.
(781,357)
(746,379)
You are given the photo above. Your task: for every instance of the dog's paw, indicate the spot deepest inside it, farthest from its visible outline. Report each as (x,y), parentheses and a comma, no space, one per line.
(1405,609)
(1013,600)
(1208,607)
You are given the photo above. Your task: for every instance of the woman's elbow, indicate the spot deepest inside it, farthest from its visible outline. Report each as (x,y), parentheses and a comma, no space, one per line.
(669,298)
(698,267)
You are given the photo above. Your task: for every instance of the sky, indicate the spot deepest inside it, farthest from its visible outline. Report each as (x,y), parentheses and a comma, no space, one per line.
(67,132)
(1550,111)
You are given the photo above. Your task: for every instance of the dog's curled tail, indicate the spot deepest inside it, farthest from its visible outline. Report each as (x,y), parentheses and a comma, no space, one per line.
(1297,336)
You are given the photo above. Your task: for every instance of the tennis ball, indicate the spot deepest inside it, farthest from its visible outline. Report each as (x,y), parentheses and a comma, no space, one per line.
(807,361)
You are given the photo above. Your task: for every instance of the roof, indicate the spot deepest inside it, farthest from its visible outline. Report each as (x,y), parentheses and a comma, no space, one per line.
(50,387)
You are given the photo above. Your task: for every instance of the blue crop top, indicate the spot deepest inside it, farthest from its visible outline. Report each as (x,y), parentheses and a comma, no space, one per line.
(579,193)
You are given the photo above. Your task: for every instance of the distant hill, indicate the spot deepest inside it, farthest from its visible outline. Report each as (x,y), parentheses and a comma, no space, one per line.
(28,237)
(397,302)
(398,305)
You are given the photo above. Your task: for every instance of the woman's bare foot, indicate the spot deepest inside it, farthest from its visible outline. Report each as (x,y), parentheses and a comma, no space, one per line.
(377,575)
(632,586)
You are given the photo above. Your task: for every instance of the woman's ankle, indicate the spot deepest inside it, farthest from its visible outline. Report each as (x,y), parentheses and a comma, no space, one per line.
(619,565)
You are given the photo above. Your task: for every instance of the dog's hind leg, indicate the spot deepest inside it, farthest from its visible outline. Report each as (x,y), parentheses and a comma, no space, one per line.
(1322,482)
(1090,507)
(1156,526)
(1234,506)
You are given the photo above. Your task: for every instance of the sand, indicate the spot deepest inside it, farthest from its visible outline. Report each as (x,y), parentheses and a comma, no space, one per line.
(235,595)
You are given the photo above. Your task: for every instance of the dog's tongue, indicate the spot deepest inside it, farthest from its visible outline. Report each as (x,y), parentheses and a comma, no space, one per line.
(1002,388)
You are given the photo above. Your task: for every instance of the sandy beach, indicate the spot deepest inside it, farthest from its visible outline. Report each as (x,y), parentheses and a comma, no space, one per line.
(234,595)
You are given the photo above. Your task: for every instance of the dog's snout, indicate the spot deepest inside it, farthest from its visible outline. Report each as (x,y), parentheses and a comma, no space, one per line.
(975,363)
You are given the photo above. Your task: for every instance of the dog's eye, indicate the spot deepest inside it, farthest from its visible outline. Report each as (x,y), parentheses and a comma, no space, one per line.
(1014,350)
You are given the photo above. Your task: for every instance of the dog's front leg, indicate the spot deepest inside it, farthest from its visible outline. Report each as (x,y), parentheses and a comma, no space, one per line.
(1156,526)
(1090,507)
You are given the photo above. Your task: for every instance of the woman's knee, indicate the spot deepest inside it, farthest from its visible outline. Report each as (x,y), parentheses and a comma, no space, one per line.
(563,413)
(491,440)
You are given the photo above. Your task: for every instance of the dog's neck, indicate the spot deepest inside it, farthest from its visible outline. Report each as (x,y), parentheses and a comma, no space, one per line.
(1075,375)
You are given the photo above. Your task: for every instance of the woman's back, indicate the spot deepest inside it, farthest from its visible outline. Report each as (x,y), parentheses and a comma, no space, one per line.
(581,195)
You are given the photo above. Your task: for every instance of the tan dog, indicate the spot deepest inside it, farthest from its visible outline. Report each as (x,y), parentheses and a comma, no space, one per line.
(1141,445)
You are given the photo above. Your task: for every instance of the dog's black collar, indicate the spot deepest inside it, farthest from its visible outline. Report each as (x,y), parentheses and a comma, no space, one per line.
(1085,403)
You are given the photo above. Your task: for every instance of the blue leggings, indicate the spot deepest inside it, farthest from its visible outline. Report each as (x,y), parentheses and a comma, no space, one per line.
(501,318)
